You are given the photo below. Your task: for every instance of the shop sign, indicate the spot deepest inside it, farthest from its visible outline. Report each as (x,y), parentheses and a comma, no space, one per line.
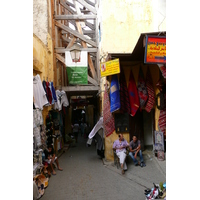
(77,72)
(109,68)
(155,50)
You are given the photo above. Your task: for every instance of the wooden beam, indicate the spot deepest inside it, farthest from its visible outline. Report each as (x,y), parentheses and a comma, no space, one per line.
(91,3)
(71,42)
(80,88)
(91,80)
(89,7)
(60,58)
(76,17)
(91,26)
(75,33)
(62,50)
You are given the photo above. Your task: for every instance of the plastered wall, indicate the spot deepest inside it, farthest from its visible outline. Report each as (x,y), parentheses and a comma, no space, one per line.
(122,22)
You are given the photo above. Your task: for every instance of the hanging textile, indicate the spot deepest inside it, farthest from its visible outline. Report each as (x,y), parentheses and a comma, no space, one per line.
(53,92)
(49,95)
(45,89)
(133,95)
(50,87)
(162,69)
(96,128)
(151,100)
(162,120)
(108,120)
(62,100)
(39,93)
(142,90)
(124,96)
(114,94)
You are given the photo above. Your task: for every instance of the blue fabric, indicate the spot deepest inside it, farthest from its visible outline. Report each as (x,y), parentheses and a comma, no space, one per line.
(53,92)
(114,94)
(132,154)
(50,86)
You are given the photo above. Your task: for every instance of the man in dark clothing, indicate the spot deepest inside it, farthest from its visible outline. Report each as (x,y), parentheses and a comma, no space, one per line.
(51,158)
(135,149)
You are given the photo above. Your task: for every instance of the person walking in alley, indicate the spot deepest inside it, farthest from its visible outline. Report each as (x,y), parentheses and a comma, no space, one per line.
(120,146)
(135,150)
(51,158)
(76,130)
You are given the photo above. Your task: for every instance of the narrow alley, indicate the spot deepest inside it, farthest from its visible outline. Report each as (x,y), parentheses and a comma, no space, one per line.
(86,176)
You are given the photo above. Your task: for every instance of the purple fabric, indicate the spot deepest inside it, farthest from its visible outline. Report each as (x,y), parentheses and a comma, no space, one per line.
(118,144)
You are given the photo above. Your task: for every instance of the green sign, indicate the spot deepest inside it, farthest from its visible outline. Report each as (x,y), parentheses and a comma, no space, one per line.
(77,75)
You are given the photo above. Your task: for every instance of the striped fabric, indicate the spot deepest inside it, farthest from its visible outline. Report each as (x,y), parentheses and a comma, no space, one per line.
(142,90)
(124,97)
(151,100)
(162,120)
(133,95)
(108,120)
(162,69)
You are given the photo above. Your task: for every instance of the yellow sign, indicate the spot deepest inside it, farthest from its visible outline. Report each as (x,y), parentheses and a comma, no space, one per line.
(109,68)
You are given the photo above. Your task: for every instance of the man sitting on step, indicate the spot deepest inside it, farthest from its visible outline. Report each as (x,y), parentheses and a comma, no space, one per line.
(120,146)
(135,150)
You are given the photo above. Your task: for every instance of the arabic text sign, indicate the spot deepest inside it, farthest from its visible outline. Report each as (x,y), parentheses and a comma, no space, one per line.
(109,68)
(155,49)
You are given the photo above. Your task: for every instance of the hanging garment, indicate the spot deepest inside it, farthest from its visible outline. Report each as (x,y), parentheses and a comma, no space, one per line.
(108,120)
(151,100)
(38,93)
(114,94)
(96,128)
(64,100)
(133,95)
(49,95)
(142,90)
(53,92)
(162,120)
(162,69)
(50,87)
(57,105)
(45,89)
(124,96)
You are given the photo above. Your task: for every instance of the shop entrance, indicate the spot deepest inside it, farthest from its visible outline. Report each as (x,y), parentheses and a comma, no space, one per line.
(142,124)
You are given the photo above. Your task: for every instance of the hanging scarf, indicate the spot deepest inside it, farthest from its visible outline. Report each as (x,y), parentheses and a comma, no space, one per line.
(108,120)
(162,120)
(114,94)
(124,97)
(151,99)
(142,90)
(133,95)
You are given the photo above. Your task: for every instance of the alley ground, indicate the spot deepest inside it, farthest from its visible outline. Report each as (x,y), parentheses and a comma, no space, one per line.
(85,176)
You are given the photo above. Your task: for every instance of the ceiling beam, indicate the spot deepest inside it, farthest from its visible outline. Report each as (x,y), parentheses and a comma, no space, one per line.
(79,88)
(89,7)
(75,17)
(89,50)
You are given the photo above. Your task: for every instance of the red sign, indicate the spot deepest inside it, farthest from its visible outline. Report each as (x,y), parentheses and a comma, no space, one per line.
(155,50)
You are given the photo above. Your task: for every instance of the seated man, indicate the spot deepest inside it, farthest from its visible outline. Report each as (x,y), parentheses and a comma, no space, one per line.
(50,156)
(120,147)
(134,150)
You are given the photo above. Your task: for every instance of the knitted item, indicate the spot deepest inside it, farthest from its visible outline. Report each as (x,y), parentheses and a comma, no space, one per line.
(133,95)
(124,96)
(142,90)
(108,120)
(151,100)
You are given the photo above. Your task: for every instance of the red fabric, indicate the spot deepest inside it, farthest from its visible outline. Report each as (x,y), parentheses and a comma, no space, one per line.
(151,100)
(133,95)
(162,120)
(124,97)
(163,70)
(142,90)
(48,92)
(108,120)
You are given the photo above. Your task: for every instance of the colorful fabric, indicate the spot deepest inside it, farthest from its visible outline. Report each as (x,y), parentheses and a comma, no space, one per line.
(133,95)
(124,96)
(151,100)
(162,120)
(49,95)
(114,94)
(108,120)
(142,90)
(162,69)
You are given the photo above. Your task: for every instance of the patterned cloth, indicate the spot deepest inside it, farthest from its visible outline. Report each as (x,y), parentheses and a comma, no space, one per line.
(108,120)
(124,97)
(163,69)
(133,95)
(142,90)
(162,120)
(151,100)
